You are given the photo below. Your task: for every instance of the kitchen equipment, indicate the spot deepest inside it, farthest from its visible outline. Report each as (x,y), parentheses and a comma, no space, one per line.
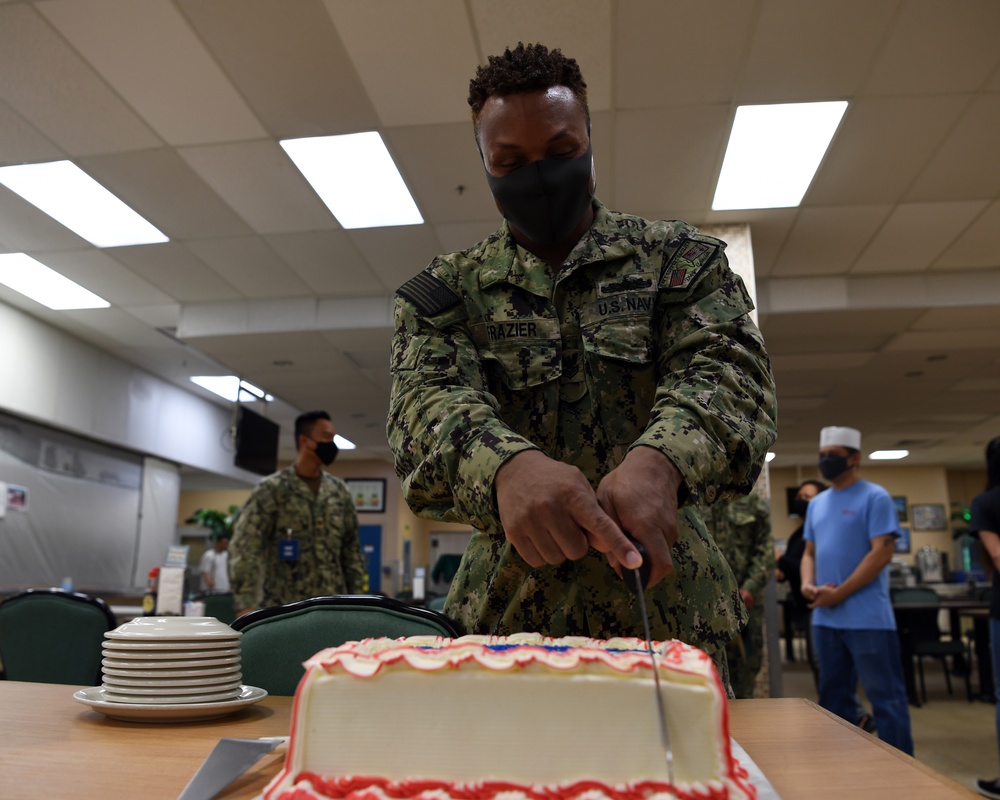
(931,564)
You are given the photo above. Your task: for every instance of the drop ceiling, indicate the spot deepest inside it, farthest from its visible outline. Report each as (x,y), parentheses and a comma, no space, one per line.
(879,297)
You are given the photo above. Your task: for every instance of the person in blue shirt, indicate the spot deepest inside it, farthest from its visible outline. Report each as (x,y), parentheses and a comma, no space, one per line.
(850,534)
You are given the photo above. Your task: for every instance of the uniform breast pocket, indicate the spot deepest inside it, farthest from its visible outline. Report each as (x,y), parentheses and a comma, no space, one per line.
(523,361)
(619,328)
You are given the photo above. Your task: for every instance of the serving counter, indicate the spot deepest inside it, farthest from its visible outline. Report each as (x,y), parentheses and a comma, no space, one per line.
(52,746)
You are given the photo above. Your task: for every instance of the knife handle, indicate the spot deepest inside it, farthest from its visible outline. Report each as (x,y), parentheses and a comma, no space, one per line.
(637,583)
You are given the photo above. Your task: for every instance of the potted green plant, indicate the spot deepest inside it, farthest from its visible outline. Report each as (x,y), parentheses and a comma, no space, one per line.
(219,523)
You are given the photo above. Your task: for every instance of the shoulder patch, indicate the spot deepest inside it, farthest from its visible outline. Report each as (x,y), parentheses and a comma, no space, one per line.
(428,293)
(692,254)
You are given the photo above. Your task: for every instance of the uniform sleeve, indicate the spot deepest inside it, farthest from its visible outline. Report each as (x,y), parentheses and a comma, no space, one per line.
(761,558)
(714,414)
(444,426)
(351,557)
(247,548)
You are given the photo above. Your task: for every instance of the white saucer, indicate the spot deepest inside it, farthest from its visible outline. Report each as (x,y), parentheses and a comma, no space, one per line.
(182,664)
(165,691)
(192,698)
(170,644)
(170,655)
(181,712)
(161,628)
(167,683)
(157,674)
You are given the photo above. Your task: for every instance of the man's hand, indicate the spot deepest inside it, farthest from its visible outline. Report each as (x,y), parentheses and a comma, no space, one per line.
(748,600)
(825,596)
(550,513)
(640,495)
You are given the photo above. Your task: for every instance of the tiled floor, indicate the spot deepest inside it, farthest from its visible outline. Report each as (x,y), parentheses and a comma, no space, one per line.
(951,735)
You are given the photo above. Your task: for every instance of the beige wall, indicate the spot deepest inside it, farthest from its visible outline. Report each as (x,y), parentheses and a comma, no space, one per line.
(919,485)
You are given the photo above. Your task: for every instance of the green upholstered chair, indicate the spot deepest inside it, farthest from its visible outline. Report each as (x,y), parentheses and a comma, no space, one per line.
(53,636)
(219,605)
(277,640)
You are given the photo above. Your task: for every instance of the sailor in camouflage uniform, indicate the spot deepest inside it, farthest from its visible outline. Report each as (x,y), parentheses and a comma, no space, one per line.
(297,535)
(578,374)
(742,530)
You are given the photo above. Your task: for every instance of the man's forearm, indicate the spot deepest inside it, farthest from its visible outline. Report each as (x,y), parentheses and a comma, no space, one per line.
(869,567)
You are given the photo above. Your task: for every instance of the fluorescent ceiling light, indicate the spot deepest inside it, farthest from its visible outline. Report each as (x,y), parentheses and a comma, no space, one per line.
(769,458)
(33,279)
(231,388)
(356,177)
(70,196)
(773,153)
(888,455)
(342,443)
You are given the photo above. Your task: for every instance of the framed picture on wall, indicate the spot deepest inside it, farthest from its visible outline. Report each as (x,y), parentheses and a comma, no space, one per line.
(900,503)
(368,494)
(929,517)
(903,540)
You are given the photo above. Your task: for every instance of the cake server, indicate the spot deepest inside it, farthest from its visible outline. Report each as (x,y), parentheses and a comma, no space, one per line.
(636,581)
(229,759)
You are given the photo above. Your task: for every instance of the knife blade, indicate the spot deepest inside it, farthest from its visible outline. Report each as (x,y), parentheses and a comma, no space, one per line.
(636,581)
(229,759)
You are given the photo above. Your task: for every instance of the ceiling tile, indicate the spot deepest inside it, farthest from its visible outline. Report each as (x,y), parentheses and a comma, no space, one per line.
(444,162)
(978,245)
(23,228)
(966,166)
(327,262)
(826,241)
(53,88)
(432,38)
(930,52)
(23,143)
(177,271)
(161,186)
(98,271)
(881,147)
(272,197)
(804,52)
(657,44)
(268,54)
(249,264)
(914,235)
(985,318)
(396,254)
(152,58)
(678,176)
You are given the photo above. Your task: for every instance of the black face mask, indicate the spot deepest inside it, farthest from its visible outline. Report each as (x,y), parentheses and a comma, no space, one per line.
(833,466)
(545,199)
(326,451)
(799,507)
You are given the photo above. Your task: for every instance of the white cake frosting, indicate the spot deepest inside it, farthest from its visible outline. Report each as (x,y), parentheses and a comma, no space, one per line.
(483,717)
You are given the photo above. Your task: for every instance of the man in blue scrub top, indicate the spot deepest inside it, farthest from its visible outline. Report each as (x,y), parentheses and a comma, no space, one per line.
(850,533)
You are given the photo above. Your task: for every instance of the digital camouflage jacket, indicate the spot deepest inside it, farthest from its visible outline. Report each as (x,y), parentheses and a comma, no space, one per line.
(641,338)
(325,525)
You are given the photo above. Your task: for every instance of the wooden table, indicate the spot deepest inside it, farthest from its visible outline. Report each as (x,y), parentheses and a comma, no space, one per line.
(51,746)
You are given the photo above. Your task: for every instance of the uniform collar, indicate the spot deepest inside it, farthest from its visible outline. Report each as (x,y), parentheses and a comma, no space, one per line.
(505,261)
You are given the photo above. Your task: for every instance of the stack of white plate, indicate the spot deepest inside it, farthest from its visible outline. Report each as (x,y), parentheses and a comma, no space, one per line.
(172,661)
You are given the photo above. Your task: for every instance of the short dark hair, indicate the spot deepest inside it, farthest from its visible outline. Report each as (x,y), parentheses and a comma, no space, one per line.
(304,423)
(526,68)
(820,486)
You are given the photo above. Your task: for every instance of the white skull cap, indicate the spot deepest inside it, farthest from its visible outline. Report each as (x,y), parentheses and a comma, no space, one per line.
(836,436)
